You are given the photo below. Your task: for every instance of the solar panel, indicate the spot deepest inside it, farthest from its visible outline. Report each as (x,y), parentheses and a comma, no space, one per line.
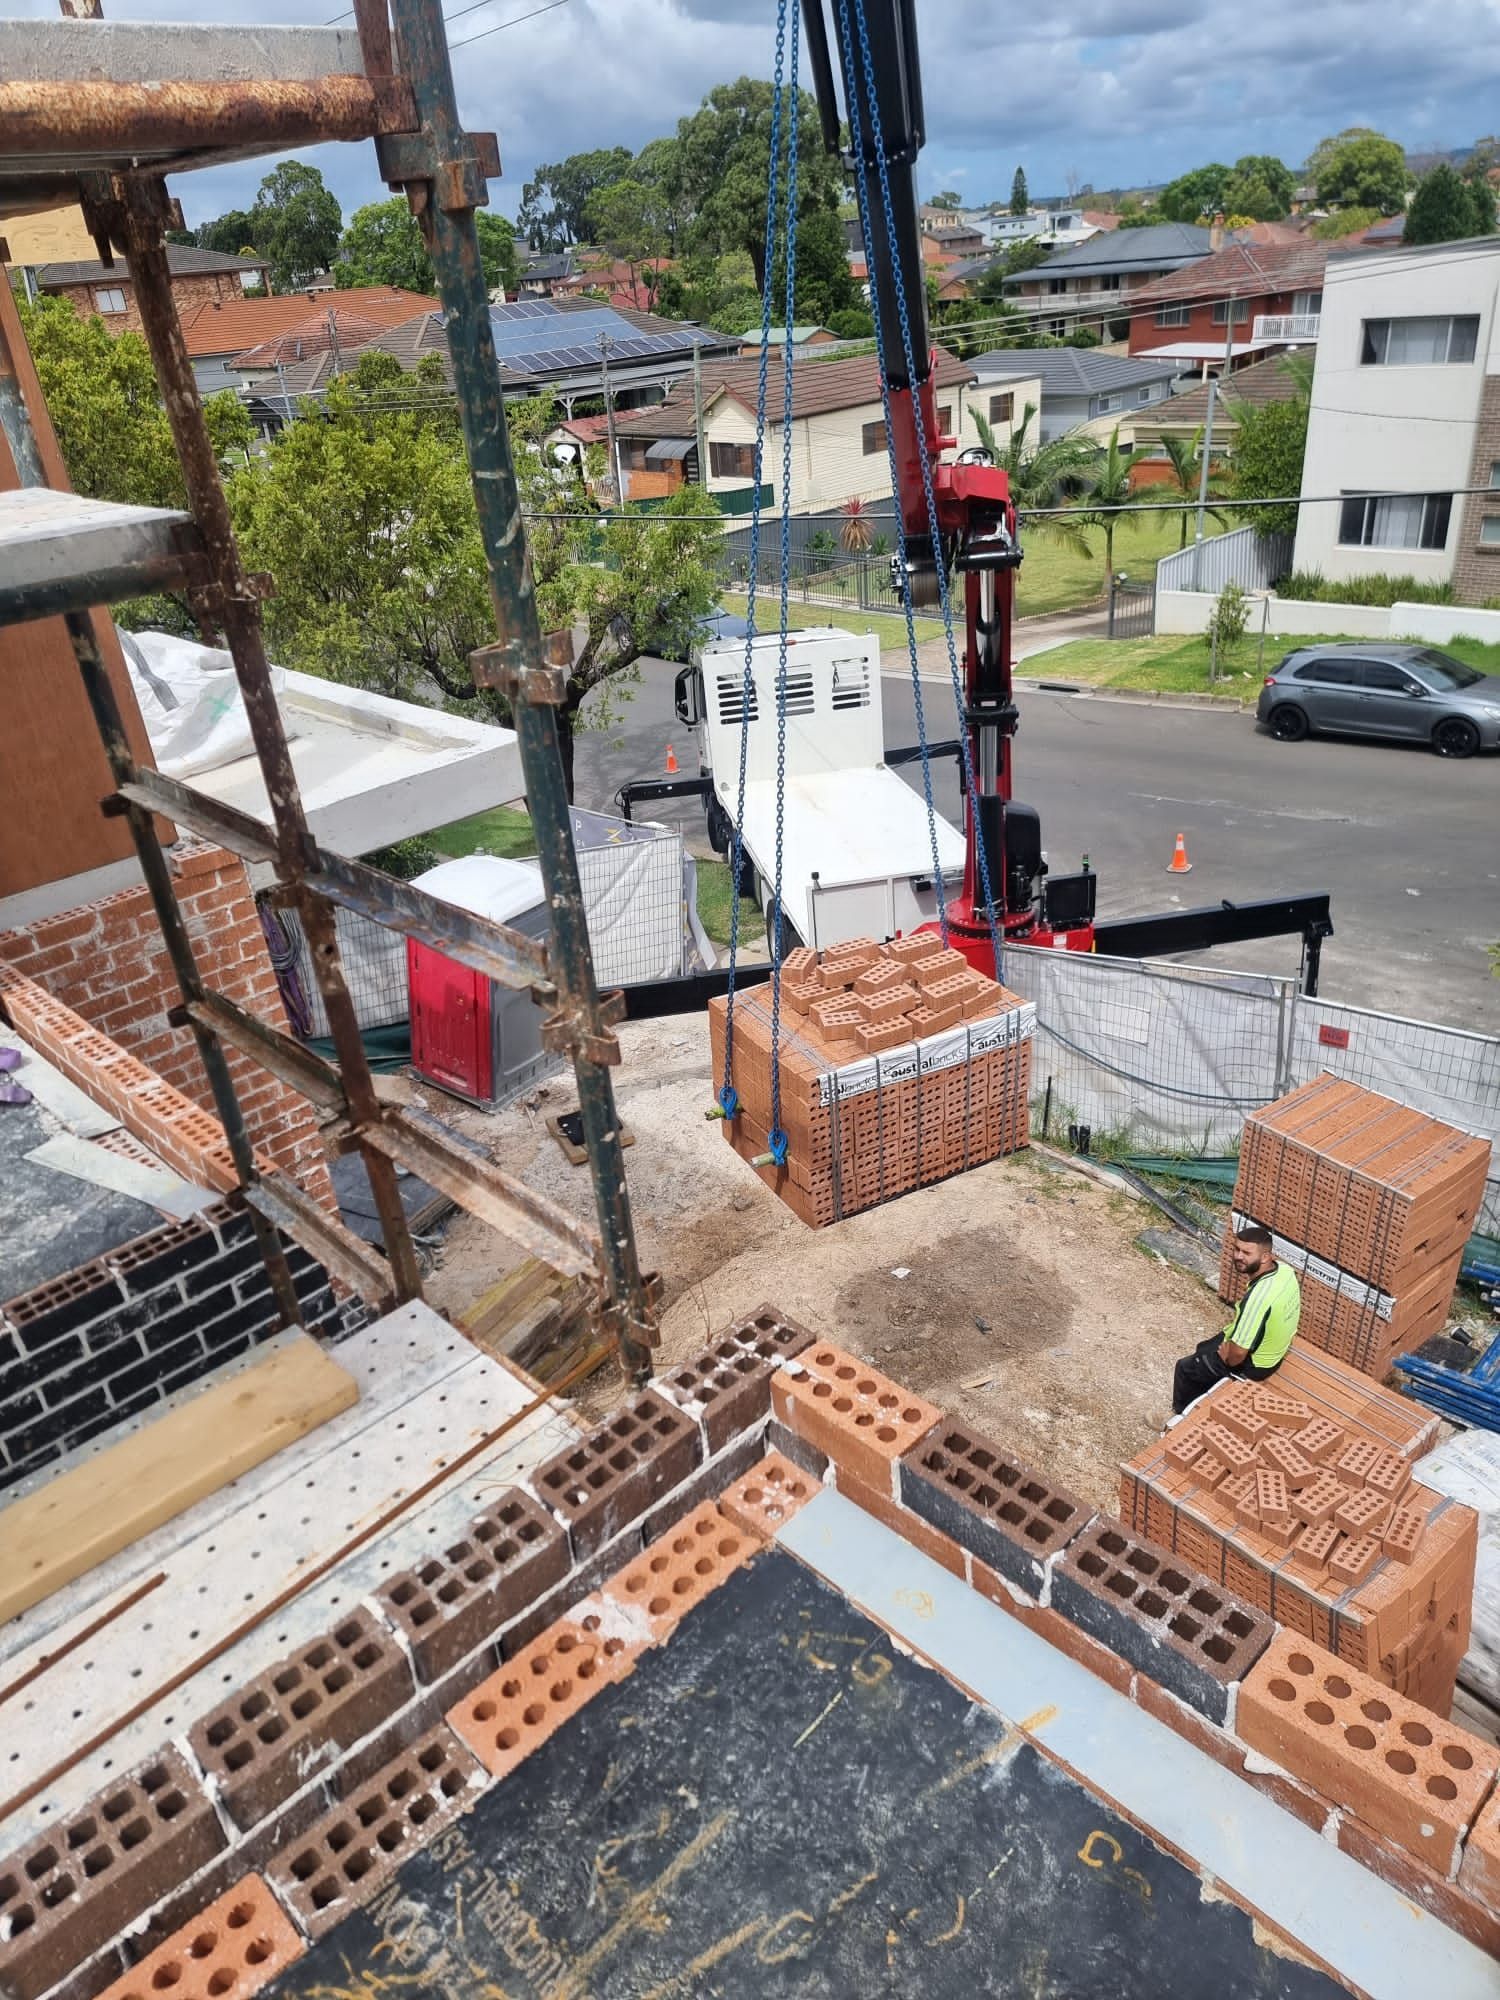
(534,337)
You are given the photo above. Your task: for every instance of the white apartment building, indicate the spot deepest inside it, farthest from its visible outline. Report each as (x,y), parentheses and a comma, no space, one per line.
(1406,403)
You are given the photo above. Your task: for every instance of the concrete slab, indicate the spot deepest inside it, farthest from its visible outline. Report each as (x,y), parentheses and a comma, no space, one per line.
(1377,1939)
(427,1395)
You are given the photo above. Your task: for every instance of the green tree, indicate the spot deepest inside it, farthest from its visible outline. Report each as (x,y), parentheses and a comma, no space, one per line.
(232,234)
(107,411)
(1042,477)
(1343,222)
(1359,168)
(949,199)
(297,223)
(1270,444)
(1107,493)
(383,246)
(824,286)
(625,219)
(1185,458)
(1020,198)
(659,167)
(726,164)
(1260,186)
(1193,195)
(554,204)
(1446,208)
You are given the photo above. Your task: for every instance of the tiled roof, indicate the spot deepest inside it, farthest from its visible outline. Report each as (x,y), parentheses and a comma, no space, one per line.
(1160,246)
(817,387)
(182,262)
(1268,381)
(311,336)
(1073,371)
(1239,270)
(230,326)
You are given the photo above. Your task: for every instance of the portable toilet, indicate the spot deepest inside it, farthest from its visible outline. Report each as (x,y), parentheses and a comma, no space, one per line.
(470,1035)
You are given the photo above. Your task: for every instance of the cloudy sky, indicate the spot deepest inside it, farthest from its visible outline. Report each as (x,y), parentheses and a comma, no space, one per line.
(1111,91)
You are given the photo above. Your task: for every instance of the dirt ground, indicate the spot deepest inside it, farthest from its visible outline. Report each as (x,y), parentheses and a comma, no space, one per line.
(1025,1304)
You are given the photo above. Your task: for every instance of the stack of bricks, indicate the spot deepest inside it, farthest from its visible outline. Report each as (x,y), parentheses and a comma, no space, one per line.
(1372,1203)
(107,963)
(899,1066)
(1300,1495)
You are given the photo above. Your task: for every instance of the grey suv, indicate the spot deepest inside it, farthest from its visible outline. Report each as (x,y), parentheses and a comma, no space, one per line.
(1412,694)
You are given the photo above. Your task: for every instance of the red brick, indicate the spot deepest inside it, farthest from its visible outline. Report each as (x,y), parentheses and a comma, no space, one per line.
(680,1568)
(857,1416)
(532,1695)
(909,1526)
(769,1494)
(238,1945)
(1453,1903)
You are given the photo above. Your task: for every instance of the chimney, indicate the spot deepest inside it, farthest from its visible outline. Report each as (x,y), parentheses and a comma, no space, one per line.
(1216,233)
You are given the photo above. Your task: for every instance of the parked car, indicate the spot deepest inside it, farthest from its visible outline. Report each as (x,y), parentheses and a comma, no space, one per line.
(1411,694)
(711,627)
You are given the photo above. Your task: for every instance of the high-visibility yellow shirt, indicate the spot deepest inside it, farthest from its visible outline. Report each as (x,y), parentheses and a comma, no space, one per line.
(1266,1321)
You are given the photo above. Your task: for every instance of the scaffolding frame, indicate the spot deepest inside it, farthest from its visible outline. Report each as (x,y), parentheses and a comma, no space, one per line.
(110,144)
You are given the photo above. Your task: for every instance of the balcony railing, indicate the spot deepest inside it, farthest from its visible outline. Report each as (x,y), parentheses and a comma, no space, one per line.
(1287,326)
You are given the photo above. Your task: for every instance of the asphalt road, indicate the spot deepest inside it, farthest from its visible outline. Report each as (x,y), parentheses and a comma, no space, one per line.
(1406,844)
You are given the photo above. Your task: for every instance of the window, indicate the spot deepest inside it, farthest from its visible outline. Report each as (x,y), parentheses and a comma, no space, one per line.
(1418,342)
(1308,302)
(1056,285)
(1328,673)
(1110,402)
(632,455)
(1405,521)
(1489,532)
(731,461)
(109,299)
(1495,472)
(945,419)
(1222,307)
(1109,281)
(872,438)
(1442,671)
(1003,411)
(1172,316)
(1383,678)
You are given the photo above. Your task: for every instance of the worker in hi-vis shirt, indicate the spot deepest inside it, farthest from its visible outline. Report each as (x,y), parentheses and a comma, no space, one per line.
(1256,1340)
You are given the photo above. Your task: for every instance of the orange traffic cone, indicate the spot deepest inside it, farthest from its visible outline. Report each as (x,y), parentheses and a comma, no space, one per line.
(1179,864)
(671,761)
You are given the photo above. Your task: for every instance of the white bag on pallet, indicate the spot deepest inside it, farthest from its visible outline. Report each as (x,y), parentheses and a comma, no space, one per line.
(1467,1468)
(189,701)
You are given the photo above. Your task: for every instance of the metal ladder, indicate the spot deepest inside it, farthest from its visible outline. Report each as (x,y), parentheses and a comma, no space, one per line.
(110,145)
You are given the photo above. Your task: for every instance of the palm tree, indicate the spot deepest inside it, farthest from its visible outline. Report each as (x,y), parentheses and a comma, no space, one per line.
(1042,476)
(1107,493)
(1183,459)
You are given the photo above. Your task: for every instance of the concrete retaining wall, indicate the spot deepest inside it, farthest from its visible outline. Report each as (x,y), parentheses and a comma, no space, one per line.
(1190,611)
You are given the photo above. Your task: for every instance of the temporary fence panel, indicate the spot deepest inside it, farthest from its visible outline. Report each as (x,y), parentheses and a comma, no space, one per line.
(374,964)
(631,872)
(1158,1058)
(1451,1073)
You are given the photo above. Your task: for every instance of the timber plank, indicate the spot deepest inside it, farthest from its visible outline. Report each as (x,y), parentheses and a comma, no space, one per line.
(97,1508)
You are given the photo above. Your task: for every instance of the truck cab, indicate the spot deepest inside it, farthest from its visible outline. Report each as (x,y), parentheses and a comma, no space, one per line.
(857,852)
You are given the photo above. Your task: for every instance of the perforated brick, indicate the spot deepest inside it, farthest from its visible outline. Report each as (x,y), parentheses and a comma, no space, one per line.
(507,1716)
(234,1948)
(270,1737)
(1286,1413)
(1319,1501)
(1363,1513)
(990,1503)
(1314,1545)
(1356,1461)
(726,1388)
(1183,1446)
(343,1858)
(1320,1440)
(1182,1629)
(1388,1476)
(610,1477)
(1403,1534)
(1236,1412)
(1353,1558)
(1277,1450)
(770,1334)
(1272,1501)
(859,1417)
(1209,1469)
(769,1494)
(73,1889)
(448,1604)
(1229,1446)
(680,1568)
(1379,1756)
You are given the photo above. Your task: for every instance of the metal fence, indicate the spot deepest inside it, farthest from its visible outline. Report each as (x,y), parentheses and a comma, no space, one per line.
(1170,1059)
(1132,609)
(1253,561)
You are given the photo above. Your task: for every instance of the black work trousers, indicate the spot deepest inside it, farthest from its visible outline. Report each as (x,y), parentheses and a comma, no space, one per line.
(1197,1372)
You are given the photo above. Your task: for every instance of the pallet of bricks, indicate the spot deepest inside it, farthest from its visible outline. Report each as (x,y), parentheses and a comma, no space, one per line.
(1302,1495)
(899,1066)
(1371,1203)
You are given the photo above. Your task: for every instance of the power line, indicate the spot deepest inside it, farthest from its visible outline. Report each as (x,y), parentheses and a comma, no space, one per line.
(514,22)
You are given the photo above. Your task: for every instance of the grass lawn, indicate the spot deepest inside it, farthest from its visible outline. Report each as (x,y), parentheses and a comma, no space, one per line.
(504,830)
(1053,578)
(1173,665)
(714,906)
(891,632)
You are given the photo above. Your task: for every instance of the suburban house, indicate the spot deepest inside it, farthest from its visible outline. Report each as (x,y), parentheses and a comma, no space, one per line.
(1090,281)
(1406,404)
(219,331)
(802,337)
(958,239)
(1082,388)
(1238,303)
(838,440)
(559,344)
(1004,404)
(1267,380)
(548,272)
(199,278)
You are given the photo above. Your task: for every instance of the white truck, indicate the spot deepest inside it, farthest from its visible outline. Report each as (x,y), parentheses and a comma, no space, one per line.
(857,855)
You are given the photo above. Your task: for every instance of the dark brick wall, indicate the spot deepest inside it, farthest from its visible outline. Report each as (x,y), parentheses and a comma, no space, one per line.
(1476,566)
(113,1337)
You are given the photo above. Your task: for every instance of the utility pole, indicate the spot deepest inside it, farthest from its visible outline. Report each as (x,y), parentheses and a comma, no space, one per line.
(698,415)
(616,483)
(1208,439)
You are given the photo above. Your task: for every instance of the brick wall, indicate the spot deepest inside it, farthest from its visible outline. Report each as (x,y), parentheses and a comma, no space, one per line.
(190,290)
(1476,568)
(107,962)
(111,1338)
